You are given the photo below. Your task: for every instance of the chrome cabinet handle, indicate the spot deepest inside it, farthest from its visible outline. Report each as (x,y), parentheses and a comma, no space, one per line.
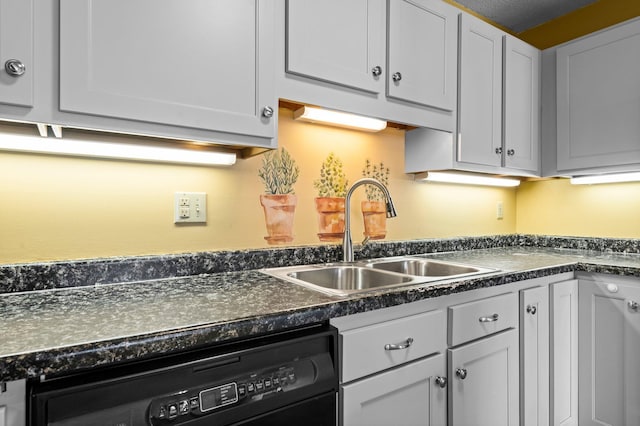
(14,67)
(441,381)
(461,373)
(531,309)
(634,306)
(511,152)
(376,71)
(396,76)
(492,318)
(267,112)
(499,150)
(393,347)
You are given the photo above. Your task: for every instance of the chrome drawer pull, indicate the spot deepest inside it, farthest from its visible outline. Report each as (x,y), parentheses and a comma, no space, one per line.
(492,318)
(392,347)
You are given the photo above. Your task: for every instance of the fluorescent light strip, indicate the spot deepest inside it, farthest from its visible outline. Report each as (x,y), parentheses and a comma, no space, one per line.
(469,179)
(83,148)
(341,119)
(612,178)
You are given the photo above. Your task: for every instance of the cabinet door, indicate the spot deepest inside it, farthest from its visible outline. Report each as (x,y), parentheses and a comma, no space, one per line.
(534,357)
(337,41)
(409,395)
(483,382)
(480,93)
(196,63)
(598,92)
(609,345)
(521,105)
(564,353)
(422,52)
(16,47)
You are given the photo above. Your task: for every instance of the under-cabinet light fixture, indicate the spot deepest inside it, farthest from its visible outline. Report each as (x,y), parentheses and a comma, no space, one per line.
(610,178)
(466,179)
(126,151)
(340,119)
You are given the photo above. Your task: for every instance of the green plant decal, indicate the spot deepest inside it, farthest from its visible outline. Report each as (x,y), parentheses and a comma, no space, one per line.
(379,172)
(279,172)
(333,182)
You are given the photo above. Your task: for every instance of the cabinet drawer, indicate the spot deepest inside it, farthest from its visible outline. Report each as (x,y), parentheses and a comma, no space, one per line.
(473,320)
(365,350)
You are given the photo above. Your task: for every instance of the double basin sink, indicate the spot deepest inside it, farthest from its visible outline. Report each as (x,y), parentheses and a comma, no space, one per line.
(344,279)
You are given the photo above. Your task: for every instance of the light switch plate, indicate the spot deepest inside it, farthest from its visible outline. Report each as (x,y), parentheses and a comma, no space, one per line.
(190,207)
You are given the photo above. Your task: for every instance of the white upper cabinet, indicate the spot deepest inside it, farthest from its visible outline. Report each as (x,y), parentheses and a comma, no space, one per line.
(598,99)
(421,53)
(16,52)
(498,109)
(521,123)
(201,64)
(393,59)
(480,104)
(349,51)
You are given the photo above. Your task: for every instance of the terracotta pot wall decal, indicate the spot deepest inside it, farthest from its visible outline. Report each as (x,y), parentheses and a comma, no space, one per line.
(278,216)
(278,173)
(374,210)
(375,219)
(332,188)
(330,218)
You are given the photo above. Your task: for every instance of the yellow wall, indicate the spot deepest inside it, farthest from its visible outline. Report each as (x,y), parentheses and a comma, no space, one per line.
(555,207)
(56,208)
(590,18)
(594,17)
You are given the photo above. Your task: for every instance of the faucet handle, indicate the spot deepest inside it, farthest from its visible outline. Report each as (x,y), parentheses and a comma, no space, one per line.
(366,240)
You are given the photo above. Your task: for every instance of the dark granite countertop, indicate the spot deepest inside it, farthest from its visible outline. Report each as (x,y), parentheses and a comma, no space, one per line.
(54,332)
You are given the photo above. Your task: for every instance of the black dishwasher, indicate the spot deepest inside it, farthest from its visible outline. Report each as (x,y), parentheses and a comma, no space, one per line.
(284,379)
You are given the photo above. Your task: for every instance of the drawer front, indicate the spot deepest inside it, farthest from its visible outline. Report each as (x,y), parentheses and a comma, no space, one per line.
(480,318)
(374,348)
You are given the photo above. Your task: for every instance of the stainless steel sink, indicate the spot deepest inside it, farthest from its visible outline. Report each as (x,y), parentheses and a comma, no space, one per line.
(346,279)
(343,279)
(426,267)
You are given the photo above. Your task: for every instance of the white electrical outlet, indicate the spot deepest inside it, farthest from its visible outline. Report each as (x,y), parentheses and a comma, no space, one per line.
(499,211)
(190,207)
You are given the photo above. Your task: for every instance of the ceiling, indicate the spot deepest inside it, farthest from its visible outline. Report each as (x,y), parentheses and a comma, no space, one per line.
(520,15)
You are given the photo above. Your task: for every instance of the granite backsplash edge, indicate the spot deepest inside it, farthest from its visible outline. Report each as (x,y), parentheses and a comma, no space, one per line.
(87,272)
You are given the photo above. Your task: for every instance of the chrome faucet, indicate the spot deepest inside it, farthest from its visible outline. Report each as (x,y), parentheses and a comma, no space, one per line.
(347,244)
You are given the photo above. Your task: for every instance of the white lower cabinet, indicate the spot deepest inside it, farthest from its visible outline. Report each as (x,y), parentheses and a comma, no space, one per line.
(534,356)
(483,388)
(414,394)
(483,363)
(559,350)
(609,345)
(12,403)
(393,368)
(564,349)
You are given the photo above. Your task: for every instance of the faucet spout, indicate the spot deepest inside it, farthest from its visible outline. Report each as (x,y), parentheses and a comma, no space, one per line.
(347,243)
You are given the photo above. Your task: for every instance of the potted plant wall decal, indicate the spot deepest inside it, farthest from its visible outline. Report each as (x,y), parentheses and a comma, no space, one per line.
(332,188)
(374,208)
(279,173)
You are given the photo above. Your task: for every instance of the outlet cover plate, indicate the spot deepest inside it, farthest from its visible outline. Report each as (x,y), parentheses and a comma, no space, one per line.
(190,207)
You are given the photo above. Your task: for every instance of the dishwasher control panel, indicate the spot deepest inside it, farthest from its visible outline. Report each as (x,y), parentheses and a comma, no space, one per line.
(186,404)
